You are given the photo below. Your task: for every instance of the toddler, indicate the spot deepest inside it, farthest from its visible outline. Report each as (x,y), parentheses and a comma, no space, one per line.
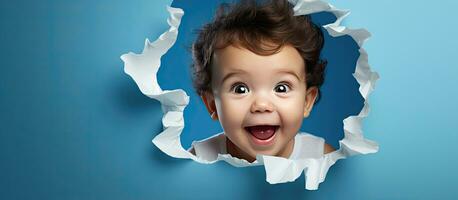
(258,70)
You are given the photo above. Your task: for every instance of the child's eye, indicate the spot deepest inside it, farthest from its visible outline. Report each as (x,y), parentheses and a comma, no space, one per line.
(240,88)
(282,88)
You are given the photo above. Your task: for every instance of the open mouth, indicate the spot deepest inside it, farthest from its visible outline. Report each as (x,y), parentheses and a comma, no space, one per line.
(262,134)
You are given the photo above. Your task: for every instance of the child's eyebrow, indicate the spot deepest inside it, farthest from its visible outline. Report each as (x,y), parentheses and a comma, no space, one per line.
(290,72)
(227,76)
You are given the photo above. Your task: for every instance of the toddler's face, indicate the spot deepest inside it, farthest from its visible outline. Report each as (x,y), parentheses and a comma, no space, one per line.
(260,101)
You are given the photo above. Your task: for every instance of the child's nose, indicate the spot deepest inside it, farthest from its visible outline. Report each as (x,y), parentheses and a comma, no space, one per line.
(261,105)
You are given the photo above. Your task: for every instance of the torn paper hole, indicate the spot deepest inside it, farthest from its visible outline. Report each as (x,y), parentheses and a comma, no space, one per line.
(143,69)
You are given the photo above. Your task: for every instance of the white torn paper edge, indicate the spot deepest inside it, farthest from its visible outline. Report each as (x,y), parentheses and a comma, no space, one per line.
(143,69)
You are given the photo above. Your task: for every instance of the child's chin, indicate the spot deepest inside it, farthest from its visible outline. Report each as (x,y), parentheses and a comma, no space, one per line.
(272,150)
(267,152)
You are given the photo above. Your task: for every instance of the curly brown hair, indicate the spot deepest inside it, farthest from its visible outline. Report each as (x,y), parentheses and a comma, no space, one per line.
(263,29)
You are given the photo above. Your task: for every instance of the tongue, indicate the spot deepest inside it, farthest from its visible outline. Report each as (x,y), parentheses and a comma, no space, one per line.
(262,132)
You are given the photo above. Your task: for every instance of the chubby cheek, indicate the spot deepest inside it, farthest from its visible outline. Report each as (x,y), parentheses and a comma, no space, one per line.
(291,114)
(230,113)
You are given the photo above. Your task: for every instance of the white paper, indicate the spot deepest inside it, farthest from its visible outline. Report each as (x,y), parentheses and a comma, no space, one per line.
(143,69)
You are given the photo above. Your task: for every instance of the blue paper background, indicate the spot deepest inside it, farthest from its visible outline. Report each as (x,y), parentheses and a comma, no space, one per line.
(74,126)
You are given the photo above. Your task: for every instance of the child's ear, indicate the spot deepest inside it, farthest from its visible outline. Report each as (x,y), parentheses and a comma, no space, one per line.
(310,98)
(209,101)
